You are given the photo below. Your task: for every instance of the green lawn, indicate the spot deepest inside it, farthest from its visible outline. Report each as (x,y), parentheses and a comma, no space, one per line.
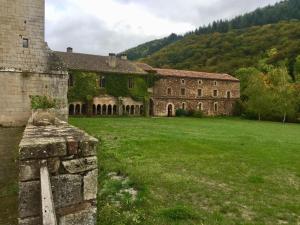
(197,171)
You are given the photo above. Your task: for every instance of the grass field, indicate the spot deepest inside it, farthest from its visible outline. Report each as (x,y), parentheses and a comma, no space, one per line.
(196,171)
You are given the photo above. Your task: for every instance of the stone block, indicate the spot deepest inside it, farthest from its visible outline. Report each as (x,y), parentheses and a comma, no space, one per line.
(90,185)
(42,148)
(80,165)
(86,217)
(30,221)
(29,199)
(67,190)
(88,147)
(30,170)
(72,146)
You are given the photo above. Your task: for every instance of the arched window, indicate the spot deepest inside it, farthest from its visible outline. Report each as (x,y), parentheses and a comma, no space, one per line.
(104,110)
(77,109)
(132,110)
(228,94)
(99,109)
(200,106)
(200,82)
(115,110)
(183,105)
(216,107)
(71,109)
(109,110)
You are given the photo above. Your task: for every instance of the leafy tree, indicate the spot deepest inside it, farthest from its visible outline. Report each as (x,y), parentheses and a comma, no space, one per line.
(283,91)
(297,69)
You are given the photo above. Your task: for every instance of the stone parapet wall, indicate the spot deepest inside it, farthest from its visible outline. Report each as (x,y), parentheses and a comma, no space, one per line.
(71,156)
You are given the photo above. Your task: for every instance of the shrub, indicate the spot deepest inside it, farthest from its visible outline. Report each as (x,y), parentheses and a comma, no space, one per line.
(43,102)
(181,112)
(198,114)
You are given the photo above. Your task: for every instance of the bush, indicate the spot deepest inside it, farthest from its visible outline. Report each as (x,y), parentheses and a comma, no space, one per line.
(181,112)
(198,114)
(43,102)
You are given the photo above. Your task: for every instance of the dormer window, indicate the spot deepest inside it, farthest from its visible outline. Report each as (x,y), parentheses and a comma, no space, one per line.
(215,83)
(200,82)
(25,43)
(182,81)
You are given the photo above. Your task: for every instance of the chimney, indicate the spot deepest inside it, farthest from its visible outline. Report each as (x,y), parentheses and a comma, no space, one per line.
(69,50)
(112,60)
(124,56)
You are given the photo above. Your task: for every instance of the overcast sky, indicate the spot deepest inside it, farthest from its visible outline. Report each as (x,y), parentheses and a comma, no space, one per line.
(103,26)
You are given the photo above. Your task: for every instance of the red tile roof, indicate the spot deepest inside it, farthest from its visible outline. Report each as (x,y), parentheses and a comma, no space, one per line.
(194,74)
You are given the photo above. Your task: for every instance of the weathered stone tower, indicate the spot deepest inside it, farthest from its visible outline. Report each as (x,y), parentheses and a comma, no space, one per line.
(27,66)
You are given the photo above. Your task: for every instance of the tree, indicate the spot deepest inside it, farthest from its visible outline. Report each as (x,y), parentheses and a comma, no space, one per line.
(297,69)
(85,89)
(259,98)
(283,91)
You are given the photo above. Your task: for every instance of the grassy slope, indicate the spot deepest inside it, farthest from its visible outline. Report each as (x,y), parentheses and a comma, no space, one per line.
(210,171)
(230,51)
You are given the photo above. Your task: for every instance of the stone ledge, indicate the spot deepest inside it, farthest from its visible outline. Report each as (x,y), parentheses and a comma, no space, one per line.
(80,165)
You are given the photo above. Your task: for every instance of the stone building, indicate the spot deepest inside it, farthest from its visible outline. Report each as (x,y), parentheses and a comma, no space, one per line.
(27,66)
(212,93)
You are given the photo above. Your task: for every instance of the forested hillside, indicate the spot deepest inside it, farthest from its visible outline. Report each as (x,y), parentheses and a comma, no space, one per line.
(282,11)
(227,52)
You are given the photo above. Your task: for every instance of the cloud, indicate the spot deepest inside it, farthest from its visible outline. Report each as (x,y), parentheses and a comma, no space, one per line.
(103,26)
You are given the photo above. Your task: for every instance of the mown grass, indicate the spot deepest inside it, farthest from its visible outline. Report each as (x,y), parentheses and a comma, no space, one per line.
(197,171)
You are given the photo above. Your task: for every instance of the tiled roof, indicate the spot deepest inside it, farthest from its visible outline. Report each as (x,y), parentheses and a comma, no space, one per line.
(194,74)
(79,61)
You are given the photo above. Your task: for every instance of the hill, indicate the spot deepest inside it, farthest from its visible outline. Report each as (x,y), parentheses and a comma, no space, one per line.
(151,47)
(226,52)
(282,11)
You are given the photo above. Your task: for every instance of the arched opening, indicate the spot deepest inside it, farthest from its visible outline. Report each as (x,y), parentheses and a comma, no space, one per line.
(142,110)
(137,110)
(104,108)
(170,110)
(77,109)
(132,110)
(128,110)
(183,106)
(84,109)
(109,110)
(228,94)
(115,110)
(151,108)
(94,110)
(99,109)
(200,106)
(123,110)
(71,109)
(216,107)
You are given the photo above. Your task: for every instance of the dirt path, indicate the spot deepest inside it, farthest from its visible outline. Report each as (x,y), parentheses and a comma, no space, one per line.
(9,140)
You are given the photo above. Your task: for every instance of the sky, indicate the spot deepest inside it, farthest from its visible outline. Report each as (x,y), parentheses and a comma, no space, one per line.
(112,26)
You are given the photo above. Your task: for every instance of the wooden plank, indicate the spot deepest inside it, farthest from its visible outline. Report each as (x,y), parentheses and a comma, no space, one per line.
(48,210)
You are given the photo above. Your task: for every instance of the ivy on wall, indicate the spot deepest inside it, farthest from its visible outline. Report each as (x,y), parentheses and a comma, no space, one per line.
(88,84)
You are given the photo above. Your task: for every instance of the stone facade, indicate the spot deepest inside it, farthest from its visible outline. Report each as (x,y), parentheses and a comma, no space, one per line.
(71,157)
(27,65)
(212,96)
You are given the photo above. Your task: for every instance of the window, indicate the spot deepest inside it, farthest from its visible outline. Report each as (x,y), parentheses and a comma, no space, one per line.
(130,83)
(215,83)
(215,93)
(182,91)
(200,82)
(228,94)
(183,106)
(25,43)
(169,91)
(71,81)
(200,106)
(182,81)
(102,82)
(199,92)
(216,107)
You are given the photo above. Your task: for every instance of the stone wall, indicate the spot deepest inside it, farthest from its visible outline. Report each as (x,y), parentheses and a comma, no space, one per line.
(16,89)
(71,156)
(162,98)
